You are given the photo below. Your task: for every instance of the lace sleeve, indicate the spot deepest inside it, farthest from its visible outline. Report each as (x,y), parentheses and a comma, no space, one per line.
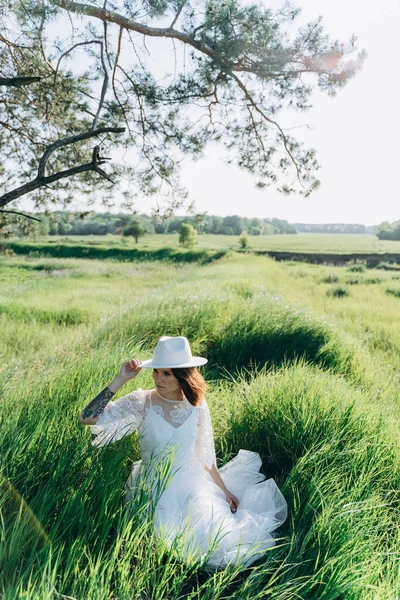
(119,418)
(204,448)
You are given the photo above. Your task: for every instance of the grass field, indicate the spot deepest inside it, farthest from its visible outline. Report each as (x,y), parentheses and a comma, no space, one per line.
(301,242)
(303,368)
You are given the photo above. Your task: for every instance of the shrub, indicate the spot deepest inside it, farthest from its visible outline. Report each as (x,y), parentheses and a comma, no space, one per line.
(357,268)
(330,279)
(244,240)
(338,292)
(393,292)
(388,266)
(187,235)
(5,250)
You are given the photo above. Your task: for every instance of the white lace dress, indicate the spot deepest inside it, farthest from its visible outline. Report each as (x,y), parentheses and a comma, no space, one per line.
(190,510)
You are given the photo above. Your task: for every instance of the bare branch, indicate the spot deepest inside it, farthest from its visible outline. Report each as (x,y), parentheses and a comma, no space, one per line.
(40,32)
(113,82)
(71,140)
(178,14)
(70,50)
(105,25)
(101,172)
(11,44)
(39,182)
(103,87)
(15,212)
(105,80)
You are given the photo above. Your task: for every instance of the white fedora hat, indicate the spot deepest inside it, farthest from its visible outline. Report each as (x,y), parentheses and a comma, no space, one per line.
(173,353)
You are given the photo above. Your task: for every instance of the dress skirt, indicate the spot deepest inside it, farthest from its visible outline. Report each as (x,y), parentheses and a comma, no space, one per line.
(192,515)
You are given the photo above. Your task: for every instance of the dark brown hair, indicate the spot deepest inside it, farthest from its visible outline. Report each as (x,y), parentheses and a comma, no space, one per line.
(192,383)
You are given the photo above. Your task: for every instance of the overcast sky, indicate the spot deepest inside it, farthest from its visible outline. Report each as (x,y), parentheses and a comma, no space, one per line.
(356,134)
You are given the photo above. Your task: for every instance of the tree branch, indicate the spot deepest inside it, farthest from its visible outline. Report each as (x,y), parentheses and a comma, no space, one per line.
(70,50)
(246,65)
(71,140)
(15,212)
(105,80)
(114,17)
(101,172)
(12,44)
(18,81)
(267,118)
(41,180)
(178,14)
(103,87)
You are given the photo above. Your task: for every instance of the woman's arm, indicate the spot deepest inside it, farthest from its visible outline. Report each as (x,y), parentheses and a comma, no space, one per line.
(91,412)
(230,498)
(204,449)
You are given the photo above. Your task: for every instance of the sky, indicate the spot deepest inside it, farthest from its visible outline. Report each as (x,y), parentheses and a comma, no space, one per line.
(356,135)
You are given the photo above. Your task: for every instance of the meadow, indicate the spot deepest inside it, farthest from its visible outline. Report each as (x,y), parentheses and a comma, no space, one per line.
(303,368)
(302,242)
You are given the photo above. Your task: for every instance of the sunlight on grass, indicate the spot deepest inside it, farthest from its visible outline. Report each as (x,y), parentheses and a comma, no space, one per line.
(309,381)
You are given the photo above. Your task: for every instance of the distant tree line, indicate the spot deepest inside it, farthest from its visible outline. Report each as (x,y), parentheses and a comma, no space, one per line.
(93,223)
(331,228)
(231,225)
(389,231)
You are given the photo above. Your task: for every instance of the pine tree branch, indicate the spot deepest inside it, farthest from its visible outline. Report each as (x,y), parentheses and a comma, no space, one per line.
(15,212)
(114,17)
(71,140)
(257,108)
(178,13)
(41,180)
(244,64)
(18,81)
(105,80)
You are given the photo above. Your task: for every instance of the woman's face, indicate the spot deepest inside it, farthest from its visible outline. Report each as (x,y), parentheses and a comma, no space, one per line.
(166,382)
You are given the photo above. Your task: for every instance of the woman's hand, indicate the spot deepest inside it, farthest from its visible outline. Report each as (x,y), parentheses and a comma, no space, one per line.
(230,498)
(232,501)
(90,414)
(130,369)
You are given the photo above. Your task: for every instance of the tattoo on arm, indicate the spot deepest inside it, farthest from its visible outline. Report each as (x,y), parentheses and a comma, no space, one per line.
(98,404)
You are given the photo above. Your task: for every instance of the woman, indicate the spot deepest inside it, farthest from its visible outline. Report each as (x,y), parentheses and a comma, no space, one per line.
(225,515)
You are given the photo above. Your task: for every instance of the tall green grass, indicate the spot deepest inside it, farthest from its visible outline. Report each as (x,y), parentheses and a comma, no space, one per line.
(338,471)
(67,317)
(249,330)
(284,381)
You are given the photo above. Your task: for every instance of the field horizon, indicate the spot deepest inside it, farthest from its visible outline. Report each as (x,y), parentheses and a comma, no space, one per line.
(301,242)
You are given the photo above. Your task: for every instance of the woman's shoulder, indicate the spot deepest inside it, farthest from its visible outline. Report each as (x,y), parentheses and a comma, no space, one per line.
(140,396)
(202,404)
